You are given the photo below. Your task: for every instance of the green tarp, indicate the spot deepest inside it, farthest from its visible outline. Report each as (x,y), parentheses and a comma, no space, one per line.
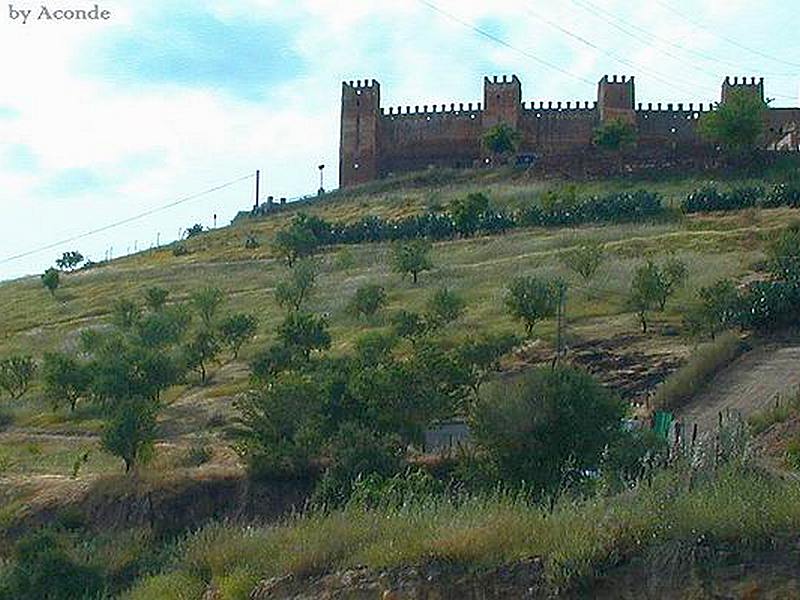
(662,422)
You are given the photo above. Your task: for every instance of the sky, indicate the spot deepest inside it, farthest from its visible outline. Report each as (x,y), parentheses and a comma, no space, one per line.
(103,121)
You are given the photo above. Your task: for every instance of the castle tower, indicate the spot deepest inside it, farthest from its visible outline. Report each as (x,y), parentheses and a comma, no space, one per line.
(616,98)
(502,101)
(755,86)
(358,144)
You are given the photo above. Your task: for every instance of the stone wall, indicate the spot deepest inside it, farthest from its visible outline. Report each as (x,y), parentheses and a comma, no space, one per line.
(376,142)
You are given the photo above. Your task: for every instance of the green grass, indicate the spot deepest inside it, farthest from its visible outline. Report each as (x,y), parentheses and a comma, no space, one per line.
(575,540)
(703,364)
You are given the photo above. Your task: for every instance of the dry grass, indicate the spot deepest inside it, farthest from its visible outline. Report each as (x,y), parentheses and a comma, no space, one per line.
(701,367)
(575,540)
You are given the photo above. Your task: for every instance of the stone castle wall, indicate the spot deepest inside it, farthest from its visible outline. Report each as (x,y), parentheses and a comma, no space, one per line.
(378,142)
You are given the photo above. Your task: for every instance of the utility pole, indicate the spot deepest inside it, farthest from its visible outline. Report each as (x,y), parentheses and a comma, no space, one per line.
(258,185)
(321,186)
(560,320)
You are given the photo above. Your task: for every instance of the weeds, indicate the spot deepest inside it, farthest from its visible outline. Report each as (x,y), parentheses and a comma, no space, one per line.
(703,364)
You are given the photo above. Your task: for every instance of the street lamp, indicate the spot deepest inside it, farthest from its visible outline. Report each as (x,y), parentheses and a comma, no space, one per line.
(321,187)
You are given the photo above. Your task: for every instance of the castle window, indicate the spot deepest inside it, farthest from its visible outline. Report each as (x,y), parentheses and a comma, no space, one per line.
(673,130)
(355,166)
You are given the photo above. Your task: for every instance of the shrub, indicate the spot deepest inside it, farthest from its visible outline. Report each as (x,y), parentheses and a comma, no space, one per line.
(301,238)
(65,379)
(530,300)
(736,123)
(207,302)
(44,568)
(51,279)
(501,139)
(719,309)
(368,299)
(355,453)
(155,298)
(445,306)
(69,260)
(468,212)
(549,427)
(614,134)
(409,325)
(303,334)
(279,432)
(237,329)
(180,250)
(685,383)
(710,199)
(194,230)
(125,313)
(584,260)
(131,431)
(783,194)
(16,375)
(412,258)
(291,293)
(375,347)
(200,350)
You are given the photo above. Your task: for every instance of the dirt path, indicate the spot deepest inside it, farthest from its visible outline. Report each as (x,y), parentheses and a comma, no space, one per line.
(748,385)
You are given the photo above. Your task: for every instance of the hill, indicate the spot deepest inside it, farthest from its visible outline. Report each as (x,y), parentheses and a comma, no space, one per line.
(51,458)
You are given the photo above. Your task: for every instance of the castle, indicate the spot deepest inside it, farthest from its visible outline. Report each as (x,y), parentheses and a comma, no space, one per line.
(376,142)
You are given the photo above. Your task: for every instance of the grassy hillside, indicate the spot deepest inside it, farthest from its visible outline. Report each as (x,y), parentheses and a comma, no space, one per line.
(49,456)
(713,246)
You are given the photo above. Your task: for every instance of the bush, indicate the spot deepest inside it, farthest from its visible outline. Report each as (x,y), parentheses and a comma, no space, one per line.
(685,383)
(412,258)
(530,300)
(292,292)
(445,306)
(180,250)
(44,568)
(550,427)
(355,453)
(368,299)
(237,329)
(51,279)
(279,432)
(614,134)
(194,230)
(783,194)
(16,375)
(710,199)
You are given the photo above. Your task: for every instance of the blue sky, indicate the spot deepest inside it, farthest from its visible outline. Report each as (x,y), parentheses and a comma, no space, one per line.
(102,121)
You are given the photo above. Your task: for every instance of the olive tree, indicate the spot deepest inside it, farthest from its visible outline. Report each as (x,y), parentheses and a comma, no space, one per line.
(412,258)
(531,299)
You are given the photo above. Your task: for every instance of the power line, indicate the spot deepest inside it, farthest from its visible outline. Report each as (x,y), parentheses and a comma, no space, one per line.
(502,42)
(731,41)
(126,221)
(625,26)
(658,77)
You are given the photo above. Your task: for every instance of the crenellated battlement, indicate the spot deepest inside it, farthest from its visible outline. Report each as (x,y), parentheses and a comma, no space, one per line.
(559,106)
(360,85)
(378,141)
(433,110)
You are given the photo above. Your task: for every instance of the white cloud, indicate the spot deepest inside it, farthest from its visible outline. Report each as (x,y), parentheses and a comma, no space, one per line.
(154,144)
